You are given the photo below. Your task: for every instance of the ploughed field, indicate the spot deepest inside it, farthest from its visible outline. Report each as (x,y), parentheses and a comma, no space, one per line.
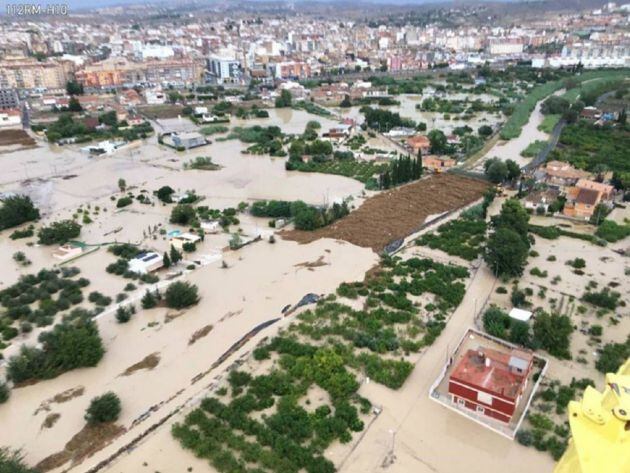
(15,137)
(398,212)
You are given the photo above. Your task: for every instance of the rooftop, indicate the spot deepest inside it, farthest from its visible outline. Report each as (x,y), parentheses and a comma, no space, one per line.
(489,369)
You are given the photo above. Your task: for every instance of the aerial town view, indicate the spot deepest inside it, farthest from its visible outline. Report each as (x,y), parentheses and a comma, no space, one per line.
(315,236)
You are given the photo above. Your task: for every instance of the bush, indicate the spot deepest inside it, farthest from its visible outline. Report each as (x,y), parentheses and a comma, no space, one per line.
(181,294)
(59,232)
(67,346)
(150,300)
(124,313)
(11,462)
(605,298)
(613,355)
(124,202)
(611,231)
(4,397)
(105,408)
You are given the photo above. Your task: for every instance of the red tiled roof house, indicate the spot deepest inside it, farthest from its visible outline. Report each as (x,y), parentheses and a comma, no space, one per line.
(490,382)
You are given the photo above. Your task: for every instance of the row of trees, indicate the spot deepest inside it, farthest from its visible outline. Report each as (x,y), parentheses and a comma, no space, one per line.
(401,170)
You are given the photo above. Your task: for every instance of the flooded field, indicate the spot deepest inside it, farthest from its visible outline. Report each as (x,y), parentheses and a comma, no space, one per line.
(161,362)
(407,109)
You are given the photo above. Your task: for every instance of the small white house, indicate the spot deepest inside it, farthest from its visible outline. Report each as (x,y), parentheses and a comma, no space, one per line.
(211,227)
(146,262)
(66,252)
(520,314)
(179,240)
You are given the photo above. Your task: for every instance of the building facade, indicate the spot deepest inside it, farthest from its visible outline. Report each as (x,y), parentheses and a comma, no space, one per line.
(490,382)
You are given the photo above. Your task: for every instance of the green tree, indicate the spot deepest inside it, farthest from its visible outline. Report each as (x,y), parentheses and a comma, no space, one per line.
(104,408)
(165,193)
(553,333)
(122,184)
(17,210)
(74,88)
(513,215)
(176,256)
(166,260)
(437,138)
(506,253)
(497,171)
(181,294)
(284,100)
(74,105)
(183,214)
(69,345)
(346,103)
(59,232)
(485,131)
(149,300)
(513,170)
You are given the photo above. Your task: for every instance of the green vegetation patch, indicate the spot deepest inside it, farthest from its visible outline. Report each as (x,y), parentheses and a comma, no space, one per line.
(270,422)
(463,237)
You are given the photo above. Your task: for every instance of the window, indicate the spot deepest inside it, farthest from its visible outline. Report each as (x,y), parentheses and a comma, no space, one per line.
(461,401)
(480,409)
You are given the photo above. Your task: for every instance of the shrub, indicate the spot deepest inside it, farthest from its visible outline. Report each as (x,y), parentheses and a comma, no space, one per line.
(59,232)
(189,247)
(124,202)
(67,346)
(611,231)
(150,300)
(181,294)
(105,408)
(4,397)
(553,332)
(11,462)
(605,298)
(612,356)
(577,263)
(124,313)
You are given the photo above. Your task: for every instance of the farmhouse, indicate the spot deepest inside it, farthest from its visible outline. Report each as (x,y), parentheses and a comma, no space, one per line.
(179,240)
(583,198)
(561,174)
(490,381)
(419,144)
(188,139)
(146,262)
(541,199)
(437,164)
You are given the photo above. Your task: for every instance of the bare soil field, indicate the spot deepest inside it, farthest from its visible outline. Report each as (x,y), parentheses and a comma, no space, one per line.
(398,212)
(15,137)
(155,112)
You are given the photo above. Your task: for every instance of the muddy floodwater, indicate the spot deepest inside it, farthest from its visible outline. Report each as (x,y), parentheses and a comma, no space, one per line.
(159,363)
